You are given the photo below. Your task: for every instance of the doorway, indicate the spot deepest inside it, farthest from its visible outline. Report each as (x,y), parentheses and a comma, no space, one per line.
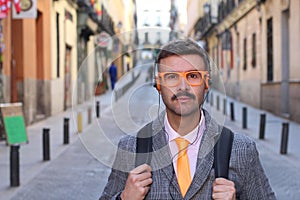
(40,83)
(67,83)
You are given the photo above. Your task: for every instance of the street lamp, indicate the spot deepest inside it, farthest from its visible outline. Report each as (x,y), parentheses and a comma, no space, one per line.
(119,26)
(206,8)
(207,14)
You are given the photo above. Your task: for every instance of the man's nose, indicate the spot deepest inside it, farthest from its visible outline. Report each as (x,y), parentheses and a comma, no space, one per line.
(183,84)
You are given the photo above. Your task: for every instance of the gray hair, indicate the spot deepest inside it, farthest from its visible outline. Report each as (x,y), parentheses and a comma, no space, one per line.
(183,47)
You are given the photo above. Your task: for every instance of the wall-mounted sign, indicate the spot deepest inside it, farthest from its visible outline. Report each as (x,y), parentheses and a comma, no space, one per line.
(28,10)
(103,39)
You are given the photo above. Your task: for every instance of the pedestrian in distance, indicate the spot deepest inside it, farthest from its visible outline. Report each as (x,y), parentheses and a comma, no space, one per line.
(175,172)
(113,75)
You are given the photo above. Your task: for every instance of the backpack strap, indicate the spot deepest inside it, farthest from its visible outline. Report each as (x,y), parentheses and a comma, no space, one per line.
(144,145)
(222,153)
(222,150)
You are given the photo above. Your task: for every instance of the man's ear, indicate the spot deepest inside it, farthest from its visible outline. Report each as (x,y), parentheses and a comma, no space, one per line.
(208,82)
(206,91)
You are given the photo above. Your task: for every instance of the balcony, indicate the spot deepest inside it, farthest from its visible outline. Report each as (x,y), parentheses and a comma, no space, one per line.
(205,23)
(85,11)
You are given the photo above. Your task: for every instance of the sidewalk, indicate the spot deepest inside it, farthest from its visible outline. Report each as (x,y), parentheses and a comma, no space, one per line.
(31,154)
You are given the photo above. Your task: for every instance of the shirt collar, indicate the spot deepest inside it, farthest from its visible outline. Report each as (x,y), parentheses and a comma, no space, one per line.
(191,136)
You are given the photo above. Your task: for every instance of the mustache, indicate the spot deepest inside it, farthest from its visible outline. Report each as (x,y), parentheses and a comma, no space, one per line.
(180,94)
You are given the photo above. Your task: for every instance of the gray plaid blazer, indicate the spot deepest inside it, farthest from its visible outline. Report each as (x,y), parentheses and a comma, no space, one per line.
(245,169)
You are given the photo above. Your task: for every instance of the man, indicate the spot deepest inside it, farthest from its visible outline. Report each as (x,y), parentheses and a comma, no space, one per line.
(113,75)
(183,81)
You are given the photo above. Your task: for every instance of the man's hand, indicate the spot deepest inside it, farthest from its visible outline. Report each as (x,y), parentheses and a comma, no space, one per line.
(223,189)
(138,183)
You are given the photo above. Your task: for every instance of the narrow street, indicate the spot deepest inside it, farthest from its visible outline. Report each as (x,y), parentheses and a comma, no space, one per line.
(77,75)
(80,171)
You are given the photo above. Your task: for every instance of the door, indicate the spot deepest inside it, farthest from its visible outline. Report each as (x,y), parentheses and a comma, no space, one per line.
(67,83)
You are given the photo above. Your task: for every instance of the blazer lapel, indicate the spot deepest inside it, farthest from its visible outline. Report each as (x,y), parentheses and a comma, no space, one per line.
(161,158)
(204,167)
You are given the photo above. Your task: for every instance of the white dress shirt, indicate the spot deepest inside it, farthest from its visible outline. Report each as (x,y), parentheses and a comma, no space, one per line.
(194,137)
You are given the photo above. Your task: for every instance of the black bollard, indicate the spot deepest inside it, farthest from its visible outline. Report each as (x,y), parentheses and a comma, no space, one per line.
(262,126)
(211,99)
(284,138)
(232,111)
(244,117)
(14,166)
(98,109)
(224,106)
(218,102)
(66,130)
(46,144)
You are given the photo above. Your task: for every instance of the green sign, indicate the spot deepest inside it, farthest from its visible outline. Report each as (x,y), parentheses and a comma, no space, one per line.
(15,129)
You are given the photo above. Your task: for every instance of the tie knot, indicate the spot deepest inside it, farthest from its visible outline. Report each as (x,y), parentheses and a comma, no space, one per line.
(182,144)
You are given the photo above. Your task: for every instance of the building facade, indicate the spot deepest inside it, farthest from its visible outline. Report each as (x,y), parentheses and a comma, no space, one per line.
(27,61)
(63,55)
(122,13)
(41,57)
(255,44)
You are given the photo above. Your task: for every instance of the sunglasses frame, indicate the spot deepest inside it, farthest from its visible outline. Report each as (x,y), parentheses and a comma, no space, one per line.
(203,73)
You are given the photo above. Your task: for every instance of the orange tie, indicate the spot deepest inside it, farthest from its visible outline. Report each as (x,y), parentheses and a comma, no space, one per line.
(183,166)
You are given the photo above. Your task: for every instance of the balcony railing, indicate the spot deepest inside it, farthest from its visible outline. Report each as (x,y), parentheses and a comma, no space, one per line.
(104,22)
(203,25)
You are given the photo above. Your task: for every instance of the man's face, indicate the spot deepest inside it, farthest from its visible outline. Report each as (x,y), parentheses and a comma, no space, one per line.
(182,99)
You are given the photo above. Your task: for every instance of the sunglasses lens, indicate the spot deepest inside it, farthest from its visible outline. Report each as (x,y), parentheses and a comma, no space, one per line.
(194,78)
(171,78)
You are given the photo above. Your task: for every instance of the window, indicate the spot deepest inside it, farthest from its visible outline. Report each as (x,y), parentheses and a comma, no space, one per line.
(222,11)
(253,61)
(68,15)
(245,54)
(270,50)
(230,5)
